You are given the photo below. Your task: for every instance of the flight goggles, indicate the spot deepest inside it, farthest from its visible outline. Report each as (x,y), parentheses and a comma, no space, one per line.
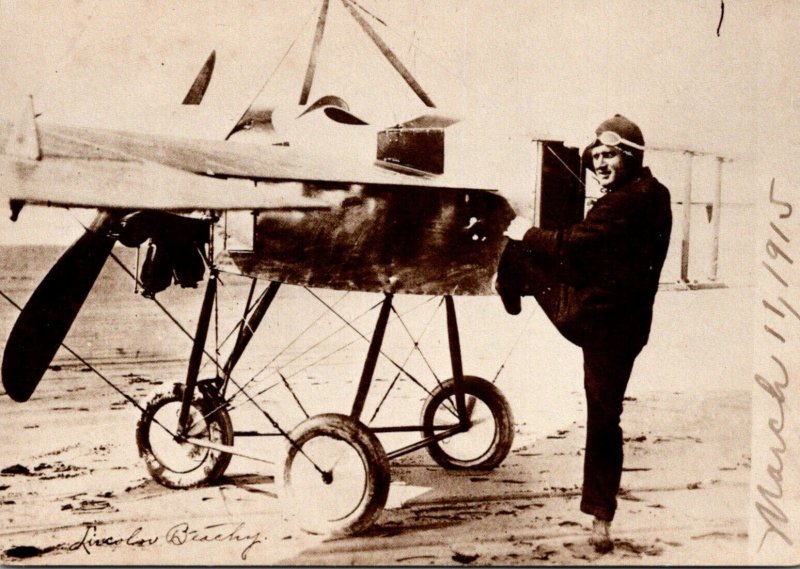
(611,138)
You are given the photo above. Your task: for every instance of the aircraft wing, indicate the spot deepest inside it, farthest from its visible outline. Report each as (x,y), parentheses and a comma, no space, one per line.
(80,166)
(109,184)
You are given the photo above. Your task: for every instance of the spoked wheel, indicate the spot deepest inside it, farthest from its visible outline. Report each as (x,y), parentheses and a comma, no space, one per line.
(177,464)
(337,475)
(487,441)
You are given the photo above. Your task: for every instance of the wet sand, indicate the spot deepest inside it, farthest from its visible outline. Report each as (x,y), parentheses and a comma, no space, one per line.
(73,489)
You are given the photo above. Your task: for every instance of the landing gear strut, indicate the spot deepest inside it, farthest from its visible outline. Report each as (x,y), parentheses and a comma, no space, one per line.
(336,471)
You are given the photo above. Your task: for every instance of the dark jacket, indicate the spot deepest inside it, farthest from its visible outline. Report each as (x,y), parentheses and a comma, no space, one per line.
(611,261)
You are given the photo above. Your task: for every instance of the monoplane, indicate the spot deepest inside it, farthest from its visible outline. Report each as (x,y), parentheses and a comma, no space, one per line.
(418,207)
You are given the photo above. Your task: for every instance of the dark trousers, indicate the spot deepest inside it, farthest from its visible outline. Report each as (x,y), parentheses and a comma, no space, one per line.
(606,373)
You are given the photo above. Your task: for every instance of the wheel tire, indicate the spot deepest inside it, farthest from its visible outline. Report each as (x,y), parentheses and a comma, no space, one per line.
(456,452)
(183,465)
(350,502)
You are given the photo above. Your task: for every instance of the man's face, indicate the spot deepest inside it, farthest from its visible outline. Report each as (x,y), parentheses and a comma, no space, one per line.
(609,166)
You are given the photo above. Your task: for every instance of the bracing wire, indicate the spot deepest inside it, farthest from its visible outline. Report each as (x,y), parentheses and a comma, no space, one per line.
(249,398)
(381,352)
(294,373)
(416,342)
(67,58)
(329,354)
(567,168)
(414,347)
(94,370)
(238,325)
(189,335)
(301,334)
(295,339)
(280,62)
(294,395)
(513,347)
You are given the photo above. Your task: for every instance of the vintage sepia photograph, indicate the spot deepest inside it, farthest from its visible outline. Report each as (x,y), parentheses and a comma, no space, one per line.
(399,283)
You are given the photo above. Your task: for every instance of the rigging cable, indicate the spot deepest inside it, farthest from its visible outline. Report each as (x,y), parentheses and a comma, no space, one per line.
(334,351)
(68,57)
(189,335)
(416,342)
(94,370)
(513,347)
(275,70)
(277,370)
(263,411)
(414,347)
(240,324)
(381,352)
(566,167)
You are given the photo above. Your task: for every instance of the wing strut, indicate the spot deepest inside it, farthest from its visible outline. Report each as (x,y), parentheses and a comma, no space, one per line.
(312,61)
(389,54)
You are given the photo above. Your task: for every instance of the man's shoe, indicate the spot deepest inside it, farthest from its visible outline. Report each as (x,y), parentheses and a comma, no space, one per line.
(601,536)
(512,301)
(507,284)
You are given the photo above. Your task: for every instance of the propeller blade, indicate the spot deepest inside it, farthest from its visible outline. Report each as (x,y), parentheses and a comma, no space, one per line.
(47,317)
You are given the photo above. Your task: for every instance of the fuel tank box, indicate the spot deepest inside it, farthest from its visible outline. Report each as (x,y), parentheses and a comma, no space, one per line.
(416,145)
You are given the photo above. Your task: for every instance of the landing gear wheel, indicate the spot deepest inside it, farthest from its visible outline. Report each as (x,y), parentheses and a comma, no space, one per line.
(177,464)
(488,440)
(337,475)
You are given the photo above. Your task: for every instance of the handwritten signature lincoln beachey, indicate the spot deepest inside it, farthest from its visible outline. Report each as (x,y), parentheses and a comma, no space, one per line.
(769,501)
(181,534)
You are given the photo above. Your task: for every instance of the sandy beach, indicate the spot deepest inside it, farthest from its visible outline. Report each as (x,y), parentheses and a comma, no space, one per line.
(73,489)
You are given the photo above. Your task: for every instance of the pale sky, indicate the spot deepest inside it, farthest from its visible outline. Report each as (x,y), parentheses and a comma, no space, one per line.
(546,68)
